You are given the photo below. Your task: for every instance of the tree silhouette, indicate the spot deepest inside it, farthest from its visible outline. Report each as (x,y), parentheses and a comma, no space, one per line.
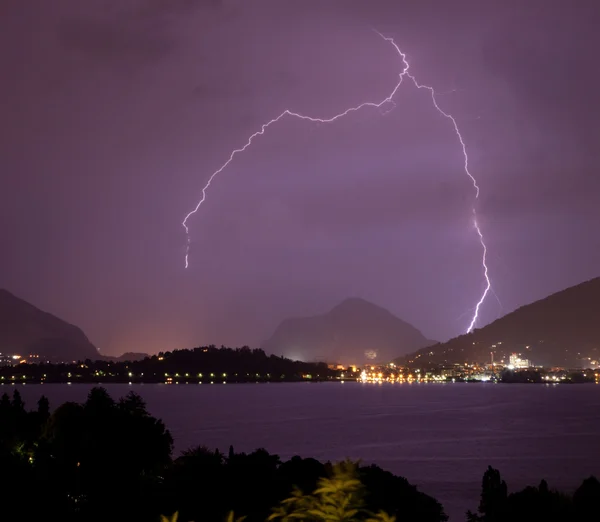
(586,500)
(43,409)
(531,503)
(4,404)
(494,493)
(103,449)
(17,404)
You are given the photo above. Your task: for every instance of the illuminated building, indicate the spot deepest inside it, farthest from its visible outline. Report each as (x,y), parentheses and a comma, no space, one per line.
(515,361)
(10,359)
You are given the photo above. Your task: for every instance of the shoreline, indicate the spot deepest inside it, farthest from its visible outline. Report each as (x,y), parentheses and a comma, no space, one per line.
(287,381)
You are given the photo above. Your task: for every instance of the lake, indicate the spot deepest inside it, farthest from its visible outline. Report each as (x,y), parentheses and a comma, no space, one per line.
(441,437)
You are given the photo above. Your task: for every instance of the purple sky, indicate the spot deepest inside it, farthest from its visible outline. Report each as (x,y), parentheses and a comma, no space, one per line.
(115,113)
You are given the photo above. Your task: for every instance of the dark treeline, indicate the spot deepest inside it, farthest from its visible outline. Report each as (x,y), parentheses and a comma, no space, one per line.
(111,460)
(535,503)
(205,364)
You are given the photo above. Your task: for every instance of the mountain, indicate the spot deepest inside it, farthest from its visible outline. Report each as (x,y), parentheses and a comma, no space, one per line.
(126,357)
(561,330)
(132,356)
(353,332)
(25,330)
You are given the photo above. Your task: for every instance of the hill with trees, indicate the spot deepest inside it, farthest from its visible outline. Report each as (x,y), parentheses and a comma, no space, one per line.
(198,365)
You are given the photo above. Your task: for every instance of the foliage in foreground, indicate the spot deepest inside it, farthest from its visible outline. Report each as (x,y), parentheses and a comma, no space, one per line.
(338,498)
(252,484)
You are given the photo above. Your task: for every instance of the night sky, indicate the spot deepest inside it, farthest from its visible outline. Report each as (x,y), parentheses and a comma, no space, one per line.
(115,113)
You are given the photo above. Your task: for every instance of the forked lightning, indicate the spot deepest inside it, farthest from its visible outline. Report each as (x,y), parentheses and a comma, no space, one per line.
(389,99)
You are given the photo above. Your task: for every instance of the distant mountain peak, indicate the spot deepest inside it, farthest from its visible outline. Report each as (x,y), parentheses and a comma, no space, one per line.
(354,301)
(351,332)
(354,304)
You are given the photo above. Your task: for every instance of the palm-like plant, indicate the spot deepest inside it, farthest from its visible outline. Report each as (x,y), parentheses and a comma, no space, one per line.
(338,498)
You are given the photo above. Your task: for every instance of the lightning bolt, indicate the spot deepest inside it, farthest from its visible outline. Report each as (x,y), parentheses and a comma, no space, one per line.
(376,105)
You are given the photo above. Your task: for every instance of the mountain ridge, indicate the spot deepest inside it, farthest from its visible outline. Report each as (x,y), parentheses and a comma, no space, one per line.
(352,332)
(561,329)
(26,329)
